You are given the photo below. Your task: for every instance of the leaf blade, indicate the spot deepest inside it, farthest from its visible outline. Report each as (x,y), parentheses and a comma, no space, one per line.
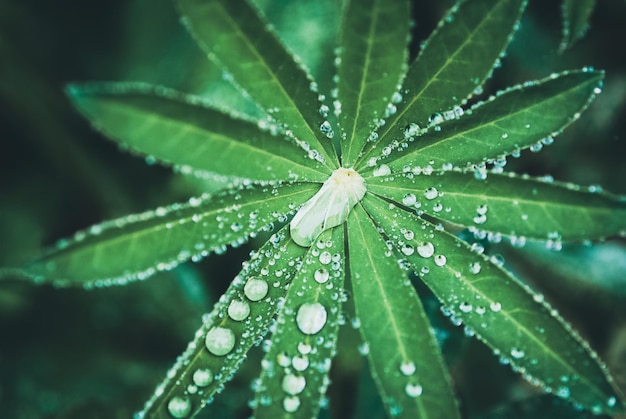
(515,119)
(137,246)
(373,54)
(295,376)
(576,14)
(520,207)
(234,36)
(246,313)
(414,375)
(180,130)
(503,313)
(456,59)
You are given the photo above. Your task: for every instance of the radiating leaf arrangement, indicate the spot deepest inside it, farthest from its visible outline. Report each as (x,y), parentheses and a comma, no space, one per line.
(405,162)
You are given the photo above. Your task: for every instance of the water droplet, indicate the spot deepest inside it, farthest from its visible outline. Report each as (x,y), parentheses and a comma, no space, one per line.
(407,368)
(255,289)
(293,384)
(475,267)
(431,193)
(364,348)
(321,275)
(325,257)
(440,260)
(238,310)
(220,341)
(382,170)
(291,404)
(409,200)
(465,307)
(407,249)
(311,318)
(304,348)
(425,249)
(411,130)
(327,130)
(300,363)
(495,307)
(202,377)
(179,407)
(517,353)
(413,390)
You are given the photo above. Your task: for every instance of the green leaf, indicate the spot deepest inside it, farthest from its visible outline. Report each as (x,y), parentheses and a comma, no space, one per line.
(234,35)
(238,321)
(514,119)
(179,129)
(137,246)
(295,369)
(372,58)
(412,378)
(576,14)
(455,61)
(516,206)
(517,324)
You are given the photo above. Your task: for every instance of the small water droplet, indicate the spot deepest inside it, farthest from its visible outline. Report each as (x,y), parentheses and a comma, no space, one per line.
(431,193)
(311,318)
(179,407)
(407,249)
(382,170)
(255,289)
(202,377)
(238,310)
(327,130)
(304,348)
(440,260)
(291,404)
(413,390)
(293,384)
(321,275)
(220,341)
(465,307)
(495,307)
(407,368)
(517,353)
(409,200)
(411,130)
(475,267)
(300,363)
(325,257)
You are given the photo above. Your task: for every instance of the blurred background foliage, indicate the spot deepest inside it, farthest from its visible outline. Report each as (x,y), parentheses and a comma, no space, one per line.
(75,354)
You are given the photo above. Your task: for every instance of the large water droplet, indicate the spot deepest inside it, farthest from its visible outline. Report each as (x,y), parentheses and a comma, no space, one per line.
(255,289)
(382,170)
(300,363)
(179,407)
(238,310)
(202,377)
(425,249)
(409,199)
(220,341)
(293,384)
(311,318)
(304,348)
(325,257)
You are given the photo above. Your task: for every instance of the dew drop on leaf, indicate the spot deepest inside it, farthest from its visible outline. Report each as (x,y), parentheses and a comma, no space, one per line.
(440,260)
(293,384)
(382,170)
(291,404)
(475,267)
(238,310)
(495,307)
(220,341)
(179,407)
(300,363)
(409,200)
(407,249)
(325,257)
(202,377)
(425,249)
(407,368)
(304,348)
(413,390)
(321,275)
(431,193)
(255,289)
(311,318)
(517,353)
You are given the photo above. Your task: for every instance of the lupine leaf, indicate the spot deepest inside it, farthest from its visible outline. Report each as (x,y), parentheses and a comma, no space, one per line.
(576,14)
(455,61)
(372,57)
(517,324)
(139,245)
(295,369)
(241,318)
(512,120)
(177,129)
(233,35)
(517,206)
(412,378)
